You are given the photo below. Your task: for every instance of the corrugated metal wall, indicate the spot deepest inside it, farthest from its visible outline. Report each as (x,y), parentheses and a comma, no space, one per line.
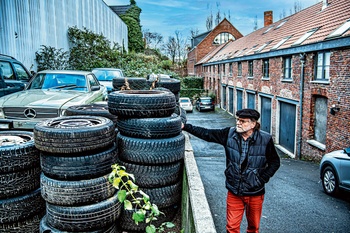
(25,25)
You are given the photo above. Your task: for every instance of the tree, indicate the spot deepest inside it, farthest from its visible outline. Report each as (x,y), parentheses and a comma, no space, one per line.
(152,38)
(170,48)
(132,19)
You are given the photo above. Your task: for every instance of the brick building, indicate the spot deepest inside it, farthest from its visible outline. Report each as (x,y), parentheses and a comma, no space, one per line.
(296,72)
(202,44)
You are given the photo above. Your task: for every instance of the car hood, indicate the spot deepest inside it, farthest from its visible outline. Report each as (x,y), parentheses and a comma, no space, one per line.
(47,98)
(337,154)
(107,84)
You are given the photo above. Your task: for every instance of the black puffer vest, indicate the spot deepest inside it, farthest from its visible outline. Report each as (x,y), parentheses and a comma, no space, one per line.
(244,179)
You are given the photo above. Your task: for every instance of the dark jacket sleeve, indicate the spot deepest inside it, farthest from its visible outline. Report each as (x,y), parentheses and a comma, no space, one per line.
(210,135)
(273,162)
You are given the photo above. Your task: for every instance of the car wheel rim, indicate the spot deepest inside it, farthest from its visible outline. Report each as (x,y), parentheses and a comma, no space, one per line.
(329,181)
(13,140)
(74,123)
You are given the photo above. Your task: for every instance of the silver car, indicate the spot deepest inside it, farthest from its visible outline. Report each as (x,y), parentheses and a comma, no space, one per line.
(335,171)
(48,95)
(105,76)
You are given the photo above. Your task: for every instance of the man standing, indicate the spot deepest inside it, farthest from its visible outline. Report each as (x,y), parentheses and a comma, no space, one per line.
(251,160)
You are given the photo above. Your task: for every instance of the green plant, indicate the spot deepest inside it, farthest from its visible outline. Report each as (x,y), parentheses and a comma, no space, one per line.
(50,58)
(135,199)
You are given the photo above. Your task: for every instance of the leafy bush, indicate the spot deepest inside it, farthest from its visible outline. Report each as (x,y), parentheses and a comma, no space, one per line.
(50,58)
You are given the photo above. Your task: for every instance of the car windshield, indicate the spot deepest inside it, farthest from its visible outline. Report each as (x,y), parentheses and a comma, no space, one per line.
(59,81)
(184,100)
(107,75)
(206,100)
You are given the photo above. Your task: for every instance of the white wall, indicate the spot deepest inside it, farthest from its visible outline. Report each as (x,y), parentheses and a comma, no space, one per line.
(25,25)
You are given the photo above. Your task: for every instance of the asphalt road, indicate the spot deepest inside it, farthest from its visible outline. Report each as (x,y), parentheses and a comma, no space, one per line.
(294,199)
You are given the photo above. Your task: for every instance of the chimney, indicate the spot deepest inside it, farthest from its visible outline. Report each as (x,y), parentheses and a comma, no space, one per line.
(268,18)
(325,4)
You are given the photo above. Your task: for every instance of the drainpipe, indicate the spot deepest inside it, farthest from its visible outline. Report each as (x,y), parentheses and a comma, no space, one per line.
(301,96)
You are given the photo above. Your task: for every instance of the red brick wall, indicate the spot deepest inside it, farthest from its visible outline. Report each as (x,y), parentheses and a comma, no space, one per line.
(338,125)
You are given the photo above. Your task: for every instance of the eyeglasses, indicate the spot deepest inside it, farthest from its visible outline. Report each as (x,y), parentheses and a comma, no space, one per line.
(241,121)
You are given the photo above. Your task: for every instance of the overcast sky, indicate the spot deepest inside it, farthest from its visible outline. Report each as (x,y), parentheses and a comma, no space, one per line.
(167,16)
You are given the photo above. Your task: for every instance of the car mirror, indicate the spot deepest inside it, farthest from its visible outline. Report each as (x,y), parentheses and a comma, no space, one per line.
(95,88)
(347,151)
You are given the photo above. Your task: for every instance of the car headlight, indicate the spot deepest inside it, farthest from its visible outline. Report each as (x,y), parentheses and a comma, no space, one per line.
(2,114)
(63,112)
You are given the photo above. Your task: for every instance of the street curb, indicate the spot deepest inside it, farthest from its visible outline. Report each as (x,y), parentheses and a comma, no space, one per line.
(195,206)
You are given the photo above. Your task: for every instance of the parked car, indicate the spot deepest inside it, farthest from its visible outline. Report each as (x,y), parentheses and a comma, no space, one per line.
(105,76)
(335,171)
(48,95)
(186,104)
(13,75)
(205,103)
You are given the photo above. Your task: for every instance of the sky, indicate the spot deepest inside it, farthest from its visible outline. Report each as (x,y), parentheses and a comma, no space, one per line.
(167,16)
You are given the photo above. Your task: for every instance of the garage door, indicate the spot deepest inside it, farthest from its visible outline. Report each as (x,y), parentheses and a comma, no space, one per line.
(287,126)
(265,114)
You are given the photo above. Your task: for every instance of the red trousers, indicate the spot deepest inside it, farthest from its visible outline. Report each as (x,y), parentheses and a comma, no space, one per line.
(236,205)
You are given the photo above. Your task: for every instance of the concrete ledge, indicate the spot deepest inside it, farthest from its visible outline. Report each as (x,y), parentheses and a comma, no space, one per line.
(196,215)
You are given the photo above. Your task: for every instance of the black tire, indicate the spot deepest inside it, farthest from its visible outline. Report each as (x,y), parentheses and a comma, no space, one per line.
(19,183)
(330,181)
(127,223)
(29,225)
(46,228)
(151,151)
(165,196)
(154,176)
(20,208)
(76,193)
(164,127)
(83,166)
(17,151)
(135,83)
(170,83)
(84,218)
(74,134)
(142,103)
(93,109)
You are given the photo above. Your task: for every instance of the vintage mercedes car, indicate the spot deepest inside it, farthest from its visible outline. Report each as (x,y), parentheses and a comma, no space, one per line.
(48,95)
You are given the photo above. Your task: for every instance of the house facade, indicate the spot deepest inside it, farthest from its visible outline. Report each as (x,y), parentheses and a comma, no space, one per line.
(202,44)
(296,73)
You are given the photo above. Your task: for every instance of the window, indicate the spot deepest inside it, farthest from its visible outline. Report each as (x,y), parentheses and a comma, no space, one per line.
(250,69)
(7,71)
(287,68)
(281,42)
(230,68)
(266,68)
(223,38)
(320,119)
(341,30)
(239,68)
(322,66)
(305,36)
(281,24)
(262,47)
(21,72)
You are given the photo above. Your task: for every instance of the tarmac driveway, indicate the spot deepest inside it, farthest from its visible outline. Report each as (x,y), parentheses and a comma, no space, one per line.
(294,199)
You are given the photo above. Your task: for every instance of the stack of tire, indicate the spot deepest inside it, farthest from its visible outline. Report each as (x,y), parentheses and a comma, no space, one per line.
(129,83)
(151,147)
(76,157)
(21,204)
